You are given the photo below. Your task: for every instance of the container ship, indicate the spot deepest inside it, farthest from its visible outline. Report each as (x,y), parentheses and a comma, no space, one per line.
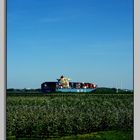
(63,84)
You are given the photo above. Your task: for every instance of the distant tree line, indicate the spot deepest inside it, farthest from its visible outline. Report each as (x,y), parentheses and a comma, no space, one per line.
(12,90)
(100,90)
(103,90)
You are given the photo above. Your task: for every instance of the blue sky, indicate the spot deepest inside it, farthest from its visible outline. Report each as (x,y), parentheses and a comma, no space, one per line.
(86,40)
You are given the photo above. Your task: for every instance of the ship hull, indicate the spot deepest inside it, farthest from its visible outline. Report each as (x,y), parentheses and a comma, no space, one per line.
(75,90)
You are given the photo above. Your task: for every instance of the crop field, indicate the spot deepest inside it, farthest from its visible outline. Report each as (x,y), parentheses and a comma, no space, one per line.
(56,116)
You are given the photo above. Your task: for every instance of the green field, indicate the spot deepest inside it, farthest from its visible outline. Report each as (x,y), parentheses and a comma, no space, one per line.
(33,116)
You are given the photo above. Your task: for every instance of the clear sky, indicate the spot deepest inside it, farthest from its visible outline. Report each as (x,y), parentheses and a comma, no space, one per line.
(85,40)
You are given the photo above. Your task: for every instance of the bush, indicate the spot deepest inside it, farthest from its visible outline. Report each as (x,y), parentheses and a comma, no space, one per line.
(48,116)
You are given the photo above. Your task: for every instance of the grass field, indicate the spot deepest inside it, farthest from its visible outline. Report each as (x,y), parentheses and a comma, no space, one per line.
(69,116)
(102,135)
